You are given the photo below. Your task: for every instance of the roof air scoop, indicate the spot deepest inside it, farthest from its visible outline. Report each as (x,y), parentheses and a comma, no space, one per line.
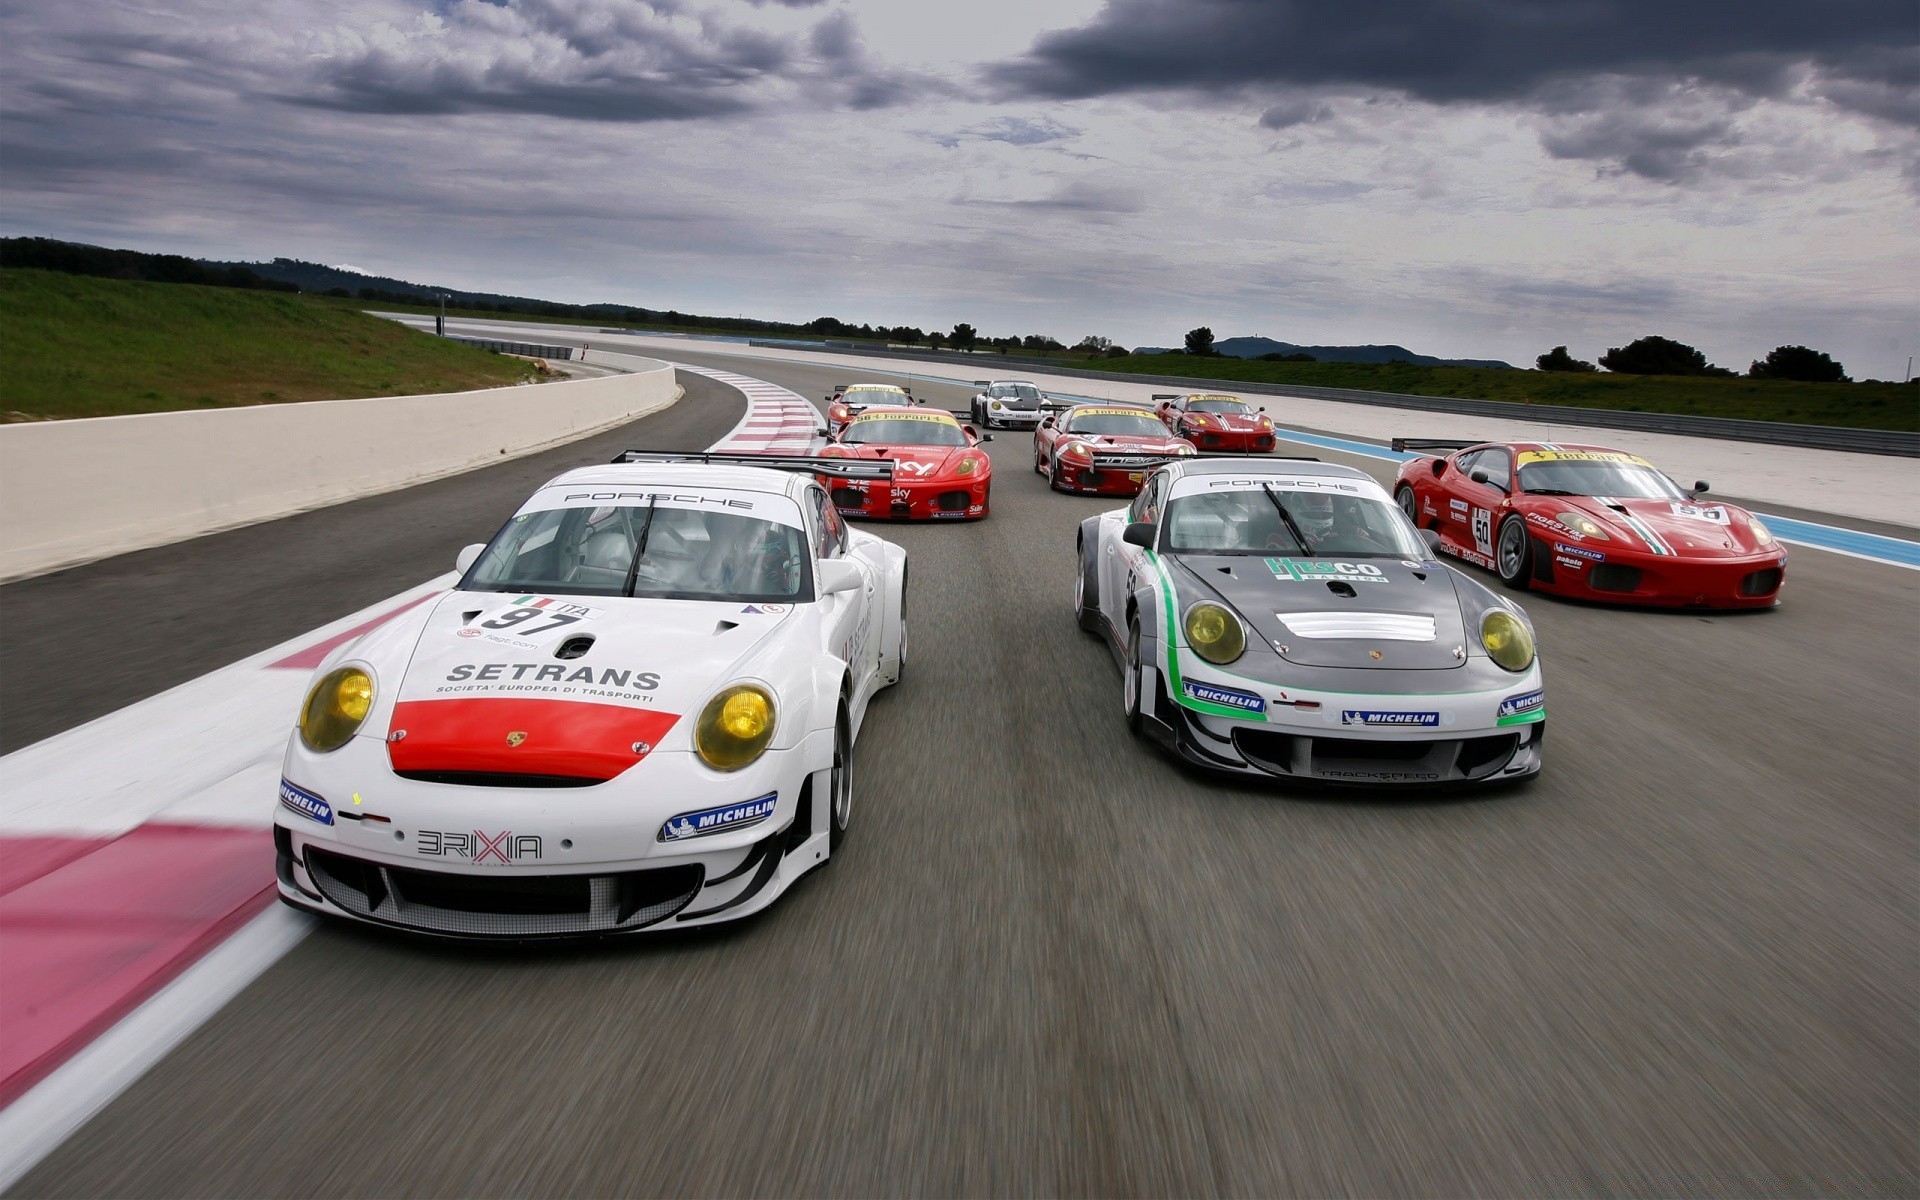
(720,627)
(1340,588)
(575,647)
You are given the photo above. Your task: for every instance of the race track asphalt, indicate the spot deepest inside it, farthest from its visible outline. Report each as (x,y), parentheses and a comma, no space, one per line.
(1052,962)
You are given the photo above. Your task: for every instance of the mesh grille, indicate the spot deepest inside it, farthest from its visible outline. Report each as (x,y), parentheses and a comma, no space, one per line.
(1761,583)
(1609,577)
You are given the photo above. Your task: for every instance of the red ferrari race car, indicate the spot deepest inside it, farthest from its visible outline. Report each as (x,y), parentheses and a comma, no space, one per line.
(849,399)
(1588,522)
(1066,442)
(1212,421)
(938,470)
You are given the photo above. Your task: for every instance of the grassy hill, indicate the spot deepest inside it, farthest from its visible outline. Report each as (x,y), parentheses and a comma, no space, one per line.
(1854,405)
(87,347)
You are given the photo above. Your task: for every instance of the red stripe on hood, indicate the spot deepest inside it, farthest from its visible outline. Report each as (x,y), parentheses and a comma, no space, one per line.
(563,737)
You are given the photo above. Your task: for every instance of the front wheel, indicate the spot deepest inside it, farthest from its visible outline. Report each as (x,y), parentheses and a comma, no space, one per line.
(1512,553)
(1408,505)
(1130,692)
(840,785)
(1057,478)
(1086,595)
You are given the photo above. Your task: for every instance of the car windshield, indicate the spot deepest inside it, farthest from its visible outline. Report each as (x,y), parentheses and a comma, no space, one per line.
(874,395)
(1115,423)
(1277,519)
(904,431)
(1017,395)
(684,554)
(1219,404)
(1586,477)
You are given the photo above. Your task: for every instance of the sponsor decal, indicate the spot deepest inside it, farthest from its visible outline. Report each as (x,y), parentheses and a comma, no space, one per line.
(946,516)
(1214,694)
(1458,506)
(719,820)
(644,681)
(669,497)
(1383,776)
(1427,508)
(305,803)
(1554,527)
(933,418)
(477,846)
(1571,564)
(1580,552)
(516,737)
(765,610)
(1524,702)
(1110,412)
(529,622)
(1483,531)
(1307,485)
(1534,456)
(1699,512)
(915,468)
(1307,570)
(1473,556)
(1369,716)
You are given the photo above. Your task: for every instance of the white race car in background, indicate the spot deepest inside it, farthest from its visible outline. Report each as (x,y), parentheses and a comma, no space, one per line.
(1006,404)
(636,709)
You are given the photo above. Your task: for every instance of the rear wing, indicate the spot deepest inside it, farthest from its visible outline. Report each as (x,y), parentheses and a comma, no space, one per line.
(1051,405)
(983,383)
(1167,395)
(839,468)
(1404,444)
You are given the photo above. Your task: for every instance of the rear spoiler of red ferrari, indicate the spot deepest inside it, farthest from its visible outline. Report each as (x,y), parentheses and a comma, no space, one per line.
(1404,444)
(1166,395)
(840,468)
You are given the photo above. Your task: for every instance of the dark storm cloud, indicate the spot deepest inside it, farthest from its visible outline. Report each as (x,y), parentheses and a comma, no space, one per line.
(1553,57)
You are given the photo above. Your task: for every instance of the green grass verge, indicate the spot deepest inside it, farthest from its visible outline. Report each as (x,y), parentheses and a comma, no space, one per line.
(85,347)
(1854,405)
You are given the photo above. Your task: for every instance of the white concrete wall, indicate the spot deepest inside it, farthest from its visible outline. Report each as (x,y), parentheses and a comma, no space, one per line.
(75,491)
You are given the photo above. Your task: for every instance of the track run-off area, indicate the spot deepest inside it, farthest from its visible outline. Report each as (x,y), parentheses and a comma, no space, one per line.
(1049,960)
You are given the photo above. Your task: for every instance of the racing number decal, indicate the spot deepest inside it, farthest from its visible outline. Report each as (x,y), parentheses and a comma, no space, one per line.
(1483,530)
(513,617)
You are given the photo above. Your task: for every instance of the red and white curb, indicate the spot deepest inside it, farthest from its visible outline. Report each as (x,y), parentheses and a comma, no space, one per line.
(136,858)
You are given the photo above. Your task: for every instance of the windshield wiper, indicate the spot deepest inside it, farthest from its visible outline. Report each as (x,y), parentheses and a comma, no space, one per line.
(1286,516)
(633,568)
(1550,492)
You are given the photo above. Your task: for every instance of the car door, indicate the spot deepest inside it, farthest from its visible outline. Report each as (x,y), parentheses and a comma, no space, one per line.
(847,618)
(1124,566)
(1479,518)
(1043,438)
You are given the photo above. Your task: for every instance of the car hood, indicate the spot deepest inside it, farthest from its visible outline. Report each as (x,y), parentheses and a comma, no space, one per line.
(1371,613)
(1684,528)
(1155,443)
(914,462)
(1216,422)
(475,698)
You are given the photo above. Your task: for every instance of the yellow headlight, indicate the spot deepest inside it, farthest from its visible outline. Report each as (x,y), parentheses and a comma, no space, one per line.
(967,466)
(1215,634)
(1508,640)
(1762,536)
(1076,450)
(1183,449)
(735,727)
(335,708)
(1582,524)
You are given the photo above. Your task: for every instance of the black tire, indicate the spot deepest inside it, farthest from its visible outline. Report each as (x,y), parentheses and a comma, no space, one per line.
(1513,553)
(1056,478)
(840,783)
(1409,505)
(900,672)
(1039,463)
(1130,687)
(1086,593)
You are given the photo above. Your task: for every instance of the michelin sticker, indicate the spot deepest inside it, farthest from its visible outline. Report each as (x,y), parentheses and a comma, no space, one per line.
(1367,716)
(305,803)
(1579,552)
(1228,697)
(1527,706)
(1307,570)
(719,820)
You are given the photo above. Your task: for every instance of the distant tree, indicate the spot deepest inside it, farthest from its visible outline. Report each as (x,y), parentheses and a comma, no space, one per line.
(829,326)
(1118,352)
(963,336)
(1093,345)
(1557,359)
(1658,356)
(907,334)
(1039,341)
(936,339)
(339,292)
(1278,357)
(1200,341)
(1798,362)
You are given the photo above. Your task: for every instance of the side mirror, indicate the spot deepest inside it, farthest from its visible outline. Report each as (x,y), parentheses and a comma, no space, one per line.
(1263,408)
(839,575)
(823,431)
(1432,538)
(468,556)
(1699,485)
(1478,476)
(1139,533)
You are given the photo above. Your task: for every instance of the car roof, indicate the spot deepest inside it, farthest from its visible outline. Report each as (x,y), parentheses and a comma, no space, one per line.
(1578,446)
(1263,465)
(916,410)
(713,475)
(876,387)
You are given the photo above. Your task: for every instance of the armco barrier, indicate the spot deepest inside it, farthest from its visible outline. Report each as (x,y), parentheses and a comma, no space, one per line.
(74,491)
(524,349)
(1779,433)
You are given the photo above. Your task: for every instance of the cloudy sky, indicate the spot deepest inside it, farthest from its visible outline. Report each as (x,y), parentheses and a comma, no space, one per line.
(1470,178)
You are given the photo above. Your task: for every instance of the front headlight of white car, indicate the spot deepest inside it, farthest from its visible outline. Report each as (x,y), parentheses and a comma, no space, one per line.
(735,726)
(335,709)
(1507,639)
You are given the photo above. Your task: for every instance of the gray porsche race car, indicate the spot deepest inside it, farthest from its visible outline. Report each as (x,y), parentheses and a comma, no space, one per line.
(1283,618)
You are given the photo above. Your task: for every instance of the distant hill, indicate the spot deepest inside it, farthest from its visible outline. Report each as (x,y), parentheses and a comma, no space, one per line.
(1254,347)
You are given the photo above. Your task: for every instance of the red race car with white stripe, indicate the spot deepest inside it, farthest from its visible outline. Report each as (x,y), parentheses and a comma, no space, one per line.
(1212,421)
(1070,438)
(939,471)
(635,710)
(1588,522)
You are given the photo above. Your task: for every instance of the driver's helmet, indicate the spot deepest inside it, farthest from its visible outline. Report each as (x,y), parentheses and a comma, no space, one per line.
(1315,515)
(608,552)
(1349,516)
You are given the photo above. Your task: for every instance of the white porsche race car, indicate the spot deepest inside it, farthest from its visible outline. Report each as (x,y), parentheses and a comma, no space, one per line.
(636,710)
(1006,404)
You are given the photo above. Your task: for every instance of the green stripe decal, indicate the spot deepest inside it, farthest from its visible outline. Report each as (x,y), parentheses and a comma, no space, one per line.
(1170,603)
(1525,718)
